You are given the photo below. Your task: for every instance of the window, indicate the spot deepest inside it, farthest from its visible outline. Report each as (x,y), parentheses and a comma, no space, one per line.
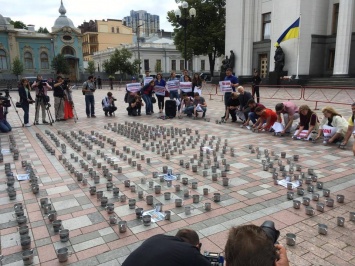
(335,18)
(28,60)
(182,64)
(203,65)
(113,29)
(117,30)
(158,66)
(44,61)
(173,64)
(146,64)
(266,26)
(68,50)
(190,66)
(3,60)
(331,59)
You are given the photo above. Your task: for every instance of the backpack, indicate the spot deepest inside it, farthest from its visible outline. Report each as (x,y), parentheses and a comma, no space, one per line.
(86,86)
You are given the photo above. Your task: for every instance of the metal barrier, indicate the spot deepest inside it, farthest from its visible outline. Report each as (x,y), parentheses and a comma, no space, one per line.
(209,89)
(281,92)
(333,95)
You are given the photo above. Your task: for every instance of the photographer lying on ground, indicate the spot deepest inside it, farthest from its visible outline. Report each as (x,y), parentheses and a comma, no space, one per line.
(161,250)
(4,125)
(108,104)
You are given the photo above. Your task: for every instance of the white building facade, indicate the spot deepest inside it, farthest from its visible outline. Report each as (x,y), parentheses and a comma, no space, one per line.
(326,42)
(160,51)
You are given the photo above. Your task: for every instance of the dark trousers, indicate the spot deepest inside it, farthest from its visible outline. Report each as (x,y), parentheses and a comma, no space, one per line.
(109,109)
(90,104)
(134,110)
(255,90)
(26,110)
(160,102)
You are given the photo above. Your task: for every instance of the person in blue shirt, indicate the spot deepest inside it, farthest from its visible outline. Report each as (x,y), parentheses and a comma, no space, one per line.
(234,84)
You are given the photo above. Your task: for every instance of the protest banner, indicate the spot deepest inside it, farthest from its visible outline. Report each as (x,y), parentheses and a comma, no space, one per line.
(159,90)
(133,87)
(225,86)
(186,86)
(173,85)
(147,80)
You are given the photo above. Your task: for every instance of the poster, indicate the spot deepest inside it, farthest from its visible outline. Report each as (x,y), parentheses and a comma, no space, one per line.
(186,86)
(303,134)
(278,127)
(159,90)
(147,80)
(173,85)
(329,131)
(225,86)
(133,87)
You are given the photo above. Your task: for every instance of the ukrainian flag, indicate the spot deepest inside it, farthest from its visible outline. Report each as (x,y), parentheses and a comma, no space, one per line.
(292,32)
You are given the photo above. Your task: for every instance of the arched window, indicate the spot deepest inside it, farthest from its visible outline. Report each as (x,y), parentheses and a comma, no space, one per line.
(44,61)
(68,50)
(28,60)
(3,60)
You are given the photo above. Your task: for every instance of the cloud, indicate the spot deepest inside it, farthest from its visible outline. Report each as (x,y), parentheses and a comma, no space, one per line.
(43,13)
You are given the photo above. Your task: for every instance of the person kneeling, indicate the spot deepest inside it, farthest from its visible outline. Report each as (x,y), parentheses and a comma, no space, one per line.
(187,105)
(267,118)
(232,107)
(4,125)
(108,104)
(199,104)
(135,106)
(252,116)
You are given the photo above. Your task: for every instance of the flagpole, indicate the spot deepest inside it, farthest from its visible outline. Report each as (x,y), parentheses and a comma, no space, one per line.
(298,48)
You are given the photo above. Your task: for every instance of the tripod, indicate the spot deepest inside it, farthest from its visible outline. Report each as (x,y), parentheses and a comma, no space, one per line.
(75,115)
(47,105)
(14,105)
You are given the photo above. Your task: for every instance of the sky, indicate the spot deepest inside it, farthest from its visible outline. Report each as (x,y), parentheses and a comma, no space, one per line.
(43,13)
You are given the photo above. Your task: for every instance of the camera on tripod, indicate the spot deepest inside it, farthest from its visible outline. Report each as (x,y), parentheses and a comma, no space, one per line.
(66,82)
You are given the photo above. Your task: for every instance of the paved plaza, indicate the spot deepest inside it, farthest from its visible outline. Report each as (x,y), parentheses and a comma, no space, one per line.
(250,197)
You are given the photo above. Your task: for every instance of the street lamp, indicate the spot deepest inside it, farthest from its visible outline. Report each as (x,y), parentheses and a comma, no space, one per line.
(139,53)
(183,21)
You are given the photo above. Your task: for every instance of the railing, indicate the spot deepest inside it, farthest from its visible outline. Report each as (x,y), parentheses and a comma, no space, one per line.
(281,92)
(331,95)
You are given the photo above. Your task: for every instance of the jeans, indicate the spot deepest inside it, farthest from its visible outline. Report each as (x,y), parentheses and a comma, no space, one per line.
(26,110)
(148,103)
(90,105)
(189,110)
(58,108)
(253,117)
(5,126)
(109,109)
(174,95)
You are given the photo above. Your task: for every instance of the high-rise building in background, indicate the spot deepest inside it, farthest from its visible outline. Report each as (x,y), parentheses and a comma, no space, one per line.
(150,23)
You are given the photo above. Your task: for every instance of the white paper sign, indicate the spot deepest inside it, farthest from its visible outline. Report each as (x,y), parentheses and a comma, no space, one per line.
(241,115)
(225,86)
(284,182)
(278,127)
(186,86)
(173,85)
(329,131)
(23,177)
(303,134)
(5,151)
(133,87)
(147,80)
(159,90)
(198,90)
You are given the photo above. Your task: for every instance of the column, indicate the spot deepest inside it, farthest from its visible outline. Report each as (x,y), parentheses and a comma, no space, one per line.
(247,66)
(343,40)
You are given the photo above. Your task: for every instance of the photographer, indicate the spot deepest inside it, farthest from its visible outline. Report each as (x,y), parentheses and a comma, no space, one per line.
(160,250)
(108,104)
(135,105)
(4,125)
(41,87)
(25,99)
(58,94)
(251,245)
(88,90)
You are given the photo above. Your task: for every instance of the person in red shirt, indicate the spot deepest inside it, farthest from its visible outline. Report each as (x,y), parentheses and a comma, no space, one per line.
(267,118)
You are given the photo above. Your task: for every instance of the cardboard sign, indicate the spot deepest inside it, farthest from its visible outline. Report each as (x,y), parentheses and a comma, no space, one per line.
(147,80)
(173,85)
(186,86)
(133,87)
(159,90)
(225,86)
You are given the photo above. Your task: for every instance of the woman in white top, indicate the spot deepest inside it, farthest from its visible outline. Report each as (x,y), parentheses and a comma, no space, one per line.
(333,126)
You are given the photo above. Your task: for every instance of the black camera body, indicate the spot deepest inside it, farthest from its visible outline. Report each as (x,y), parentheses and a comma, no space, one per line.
(113,99)
(5,99)
(214,258)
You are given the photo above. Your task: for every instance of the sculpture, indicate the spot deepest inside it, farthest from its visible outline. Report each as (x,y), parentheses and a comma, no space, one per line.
(232,60)
(279,59)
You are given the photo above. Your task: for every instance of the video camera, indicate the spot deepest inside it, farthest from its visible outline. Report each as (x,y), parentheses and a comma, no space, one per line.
(216,259)
(5,99)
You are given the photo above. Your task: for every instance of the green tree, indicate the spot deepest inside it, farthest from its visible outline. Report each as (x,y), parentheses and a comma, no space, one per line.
(91,67)
(17,67)
(120,62)
(18,24)
(60,64)
(157,67)
(42,30)
(205,33)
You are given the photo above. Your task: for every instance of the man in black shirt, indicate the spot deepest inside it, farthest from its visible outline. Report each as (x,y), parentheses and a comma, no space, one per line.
(232,107)
(58,93)
(255,88)
(135,105)
(244,97)
(161,250)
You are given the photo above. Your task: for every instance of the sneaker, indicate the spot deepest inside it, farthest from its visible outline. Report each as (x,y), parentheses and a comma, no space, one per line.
(28,125)
(93,116)
(106,114)
(35,123)
(110,114)
(88,116)
(44,122)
